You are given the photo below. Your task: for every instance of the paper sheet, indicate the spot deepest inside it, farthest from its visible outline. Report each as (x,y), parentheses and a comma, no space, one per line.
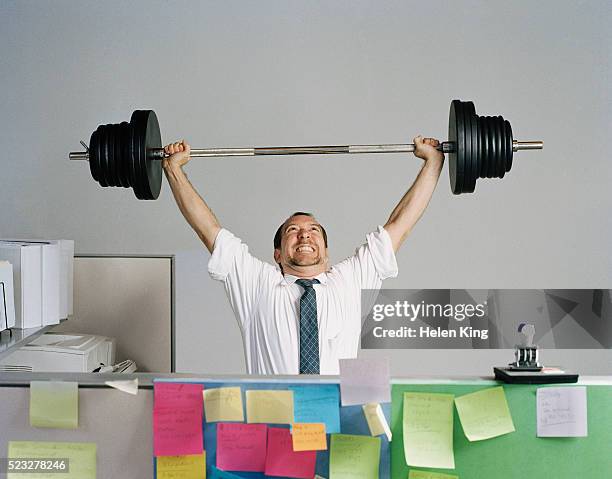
(223,404)
(309,437)
(562,411)
(282,460)
(484,414)
(128,386)
(364,380)
(320,403)
(377,422)
(273,407)
(81,458)
(54,404)
(182,467)
(241,447)
(415,474)
(354,457)
(428,430)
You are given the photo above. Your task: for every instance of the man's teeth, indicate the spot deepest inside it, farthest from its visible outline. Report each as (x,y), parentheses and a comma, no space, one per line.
(301,249)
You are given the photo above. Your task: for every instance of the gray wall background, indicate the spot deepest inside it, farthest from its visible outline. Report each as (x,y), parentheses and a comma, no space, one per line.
(240,73)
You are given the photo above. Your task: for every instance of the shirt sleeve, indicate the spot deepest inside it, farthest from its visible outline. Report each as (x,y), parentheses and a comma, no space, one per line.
(240,272)
(372,262)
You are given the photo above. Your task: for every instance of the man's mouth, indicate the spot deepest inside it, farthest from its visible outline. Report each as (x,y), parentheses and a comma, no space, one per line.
(305,248)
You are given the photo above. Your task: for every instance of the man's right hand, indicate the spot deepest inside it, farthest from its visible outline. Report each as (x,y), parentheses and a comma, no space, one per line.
(179,154)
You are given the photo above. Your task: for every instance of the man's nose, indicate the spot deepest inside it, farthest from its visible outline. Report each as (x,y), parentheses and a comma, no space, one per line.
(304,234)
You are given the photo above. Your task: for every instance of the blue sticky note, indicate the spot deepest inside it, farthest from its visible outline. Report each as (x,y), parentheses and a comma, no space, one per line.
(318,403)
(219,474)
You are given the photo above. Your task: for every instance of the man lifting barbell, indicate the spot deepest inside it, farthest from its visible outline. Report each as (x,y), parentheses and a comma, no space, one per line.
(301,316)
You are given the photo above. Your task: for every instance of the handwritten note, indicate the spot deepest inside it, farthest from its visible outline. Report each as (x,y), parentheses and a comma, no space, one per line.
(416,474)
(275,407)
(241,447)
(354,457)
(223,404)
(562,412)
(219,474)
(377,422)
(364,380)
(54,404)
(177,419)
(318,403)
(282,460)
(484,414)
(81,457)
(428,430)
(309,437)
(182,467)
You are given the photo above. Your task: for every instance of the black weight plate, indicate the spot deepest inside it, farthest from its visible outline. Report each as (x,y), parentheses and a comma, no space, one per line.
(112,167)
(470,113)
(493,145)
(121,156)
(144,179)
(499,133)
(467,131)
(452,138)
(475,147)
(132,157)
(502,169)
(510,143)
(460,153)
(103,156)
(93,155)
(482,144)
(152,140)
(137,133)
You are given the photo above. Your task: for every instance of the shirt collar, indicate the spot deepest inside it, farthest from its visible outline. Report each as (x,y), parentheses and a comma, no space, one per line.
(289,279)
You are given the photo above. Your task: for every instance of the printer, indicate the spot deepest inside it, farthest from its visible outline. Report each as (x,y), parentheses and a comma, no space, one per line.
(62,352)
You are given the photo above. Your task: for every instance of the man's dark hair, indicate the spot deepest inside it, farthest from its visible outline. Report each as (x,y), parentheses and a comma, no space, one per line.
(279,232)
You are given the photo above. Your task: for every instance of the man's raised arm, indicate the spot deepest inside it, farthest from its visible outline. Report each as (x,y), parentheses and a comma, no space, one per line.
(194,208)
(413,204)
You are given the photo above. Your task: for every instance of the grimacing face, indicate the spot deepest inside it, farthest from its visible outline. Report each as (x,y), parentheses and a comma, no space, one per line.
(302,243)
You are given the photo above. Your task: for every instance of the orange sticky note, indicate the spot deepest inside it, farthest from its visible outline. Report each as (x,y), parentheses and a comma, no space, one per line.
(309,437)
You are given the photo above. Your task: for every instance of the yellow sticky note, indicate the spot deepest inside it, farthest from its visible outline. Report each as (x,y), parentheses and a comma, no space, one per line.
(484,414)
(81,458)
(54,404)
(182,467)
(223,404)
(309,436)
(275,407)
(428,430)
(377,422)
(415,474)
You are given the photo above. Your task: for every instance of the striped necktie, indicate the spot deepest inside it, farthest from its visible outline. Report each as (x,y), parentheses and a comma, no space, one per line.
(309,330)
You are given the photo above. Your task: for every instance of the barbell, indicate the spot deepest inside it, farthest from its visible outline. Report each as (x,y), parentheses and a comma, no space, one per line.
(129,154)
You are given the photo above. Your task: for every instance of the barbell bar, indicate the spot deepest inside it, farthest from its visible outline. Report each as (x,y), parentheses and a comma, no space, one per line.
(130,154)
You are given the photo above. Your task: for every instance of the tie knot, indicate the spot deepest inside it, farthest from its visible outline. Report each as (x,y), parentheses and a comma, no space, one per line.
(307,283)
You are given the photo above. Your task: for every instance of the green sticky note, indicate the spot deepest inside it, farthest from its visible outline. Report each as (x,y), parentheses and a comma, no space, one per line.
(80,456)
(416,474)
(354,457)
(484,414)
(428,430)
(54,404)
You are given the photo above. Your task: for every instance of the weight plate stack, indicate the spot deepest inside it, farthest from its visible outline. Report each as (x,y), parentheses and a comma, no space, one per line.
(148,172)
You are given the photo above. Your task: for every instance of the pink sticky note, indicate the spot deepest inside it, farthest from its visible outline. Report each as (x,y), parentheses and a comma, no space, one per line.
(281,460)
(177,432)
(241,447)
(177,419)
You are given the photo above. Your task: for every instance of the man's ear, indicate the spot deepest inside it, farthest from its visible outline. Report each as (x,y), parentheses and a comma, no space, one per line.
(277,255)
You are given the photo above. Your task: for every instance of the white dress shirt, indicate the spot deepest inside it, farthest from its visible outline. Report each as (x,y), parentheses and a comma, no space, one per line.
(266,303)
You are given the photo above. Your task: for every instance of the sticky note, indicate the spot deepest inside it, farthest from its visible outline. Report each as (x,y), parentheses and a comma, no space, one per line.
(416,474)
(318,403)
(129,386)
(223,404)
(181,467)
(81,457)
(354,457)
(364,380)
(309,436)
(484,414)
(275,407)
(377,422)
(241,447)
(177,432)
(54,404)
(562,411)
(219,474)
(428,430)
(282,460)
(177,394)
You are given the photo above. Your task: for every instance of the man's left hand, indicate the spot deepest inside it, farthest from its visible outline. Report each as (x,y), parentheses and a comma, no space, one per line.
(425,148)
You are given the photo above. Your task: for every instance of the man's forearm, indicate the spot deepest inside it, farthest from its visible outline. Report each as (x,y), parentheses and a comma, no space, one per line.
(413,203)
(192,206)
